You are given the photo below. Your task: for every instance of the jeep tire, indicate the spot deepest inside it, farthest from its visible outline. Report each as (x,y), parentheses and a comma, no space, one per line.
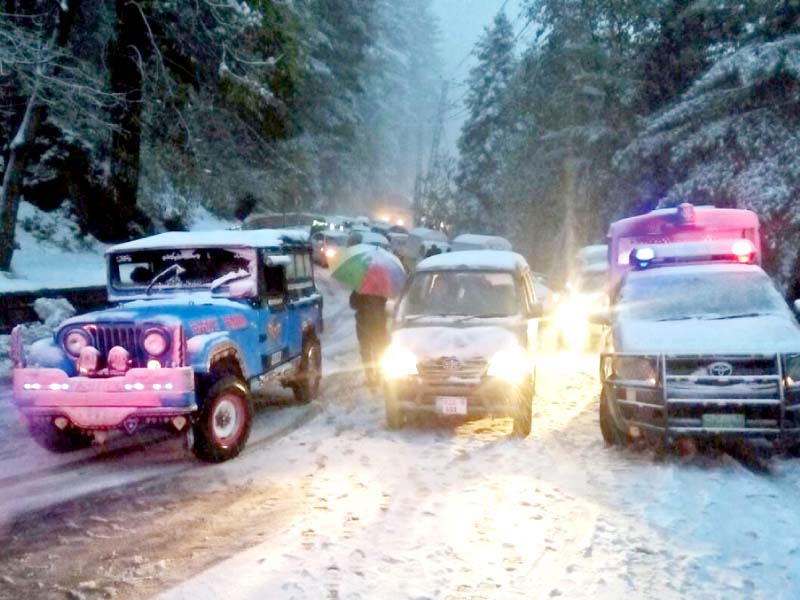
(306,386)
(49,437)
(223,424)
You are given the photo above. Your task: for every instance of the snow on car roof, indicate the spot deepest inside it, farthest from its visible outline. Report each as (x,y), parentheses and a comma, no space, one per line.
(493,242)
(500,260)
(256,238)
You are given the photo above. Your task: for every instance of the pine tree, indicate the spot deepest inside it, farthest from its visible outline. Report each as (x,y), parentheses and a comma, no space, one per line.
(488,120)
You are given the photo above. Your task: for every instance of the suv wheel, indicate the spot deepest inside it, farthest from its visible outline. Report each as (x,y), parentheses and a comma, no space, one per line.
(306,386)
(223,426)
(523,416)
(49,437)
(395,419)
(608,427)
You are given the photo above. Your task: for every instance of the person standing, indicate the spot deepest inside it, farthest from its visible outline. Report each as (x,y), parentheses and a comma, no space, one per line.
(371,331)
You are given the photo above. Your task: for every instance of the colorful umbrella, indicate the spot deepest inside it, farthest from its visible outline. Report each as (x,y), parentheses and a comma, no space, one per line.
(369,270)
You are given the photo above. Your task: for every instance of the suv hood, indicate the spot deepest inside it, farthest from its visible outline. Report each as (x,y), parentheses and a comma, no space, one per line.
(763,334)
(458,342)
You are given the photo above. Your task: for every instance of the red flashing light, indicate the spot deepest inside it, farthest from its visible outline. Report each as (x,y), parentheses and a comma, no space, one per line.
(743,250)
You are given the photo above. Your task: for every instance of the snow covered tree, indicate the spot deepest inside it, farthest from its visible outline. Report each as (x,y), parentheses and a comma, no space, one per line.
(733,139)
(488,121)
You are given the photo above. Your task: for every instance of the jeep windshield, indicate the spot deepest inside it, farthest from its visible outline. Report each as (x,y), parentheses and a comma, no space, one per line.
(166,271)
(671,295)
(478,294)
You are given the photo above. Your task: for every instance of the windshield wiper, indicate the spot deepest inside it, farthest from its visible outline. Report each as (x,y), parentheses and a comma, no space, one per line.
(736,316)
(175,269)
(228,278)
(674,319)
(468,317)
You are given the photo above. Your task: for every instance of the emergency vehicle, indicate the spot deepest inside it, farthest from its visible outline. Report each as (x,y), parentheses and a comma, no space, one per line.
(202,321)
(700,343)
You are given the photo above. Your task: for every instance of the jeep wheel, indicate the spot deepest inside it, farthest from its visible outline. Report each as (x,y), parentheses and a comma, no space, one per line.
(608,427)
(523,415)
(49,437)
(306,387)
(223,425)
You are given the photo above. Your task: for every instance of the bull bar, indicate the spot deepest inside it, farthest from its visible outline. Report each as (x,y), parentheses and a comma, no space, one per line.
(700,396)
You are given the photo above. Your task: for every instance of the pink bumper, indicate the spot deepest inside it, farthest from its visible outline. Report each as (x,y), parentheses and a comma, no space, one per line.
(148,395)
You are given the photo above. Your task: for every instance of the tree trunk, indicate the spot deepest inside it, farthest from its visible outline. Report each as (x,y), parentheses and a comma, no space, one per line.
(127,52)
(10,192)
(33,116)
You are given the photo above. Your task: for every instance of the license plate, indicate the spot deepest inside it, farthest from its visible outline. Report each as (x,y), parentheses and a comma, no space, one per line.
(726,421)
(449,405)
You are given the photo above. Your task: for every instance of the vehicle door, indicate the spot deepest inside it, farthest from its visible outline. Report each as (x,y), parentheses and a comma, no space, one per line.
(274,311)
(532,311)
(304,304)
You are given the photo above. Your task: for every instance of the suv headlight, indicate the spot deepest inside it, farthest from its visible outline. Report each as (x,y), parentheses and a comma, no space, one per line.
(398,362)
(512,365)
(635,369)
(793,369)
(76,340)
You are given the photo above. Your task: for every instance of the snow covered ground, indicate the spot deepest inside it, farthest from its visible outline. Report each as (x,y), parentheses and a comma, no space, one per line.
(336,506)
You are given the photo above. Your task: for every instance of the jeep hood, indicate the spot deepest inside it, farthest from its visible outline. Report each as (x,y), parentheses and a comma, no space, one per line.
(763,334)
(459,342)
(169,311)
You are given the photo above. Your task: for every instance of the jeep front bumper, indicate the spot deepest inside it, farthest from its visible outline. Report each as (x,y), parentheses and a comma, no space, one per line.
(139,397)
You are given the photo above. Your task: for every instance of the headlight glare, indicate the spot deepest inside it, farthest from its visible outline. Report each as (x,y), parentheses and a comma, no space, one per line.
(511,365)
(398,362)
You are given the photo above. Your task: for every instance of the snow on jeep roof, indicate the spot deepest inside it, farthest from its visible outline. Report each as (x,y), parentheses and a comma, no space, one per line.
(479,260)
(256,238)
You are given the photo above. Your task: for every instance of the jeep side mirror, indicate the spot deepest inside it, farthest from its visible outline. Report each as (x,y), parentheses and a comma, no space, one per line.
(600,317)
(244,288)
(796,305)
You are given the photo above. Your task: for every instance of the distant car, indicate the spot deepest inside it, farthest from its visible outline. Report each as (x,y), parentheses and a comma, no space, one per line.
(369,237)
(472,241)
(699,346)
(464,340)
(326,245)
(199,319)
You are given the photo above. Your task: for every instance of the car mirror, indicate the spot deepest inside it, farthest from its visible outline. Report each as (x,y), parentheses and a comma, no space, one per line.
(796,305)
(600,317)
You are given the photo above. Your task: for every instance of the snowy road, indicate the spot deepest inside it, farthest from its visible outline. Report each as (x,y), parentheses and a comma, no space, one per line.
(332,505)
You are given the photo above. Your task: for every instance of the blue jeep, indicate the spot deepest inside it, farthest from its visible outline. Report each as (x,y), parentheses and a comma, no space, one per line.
(202,319)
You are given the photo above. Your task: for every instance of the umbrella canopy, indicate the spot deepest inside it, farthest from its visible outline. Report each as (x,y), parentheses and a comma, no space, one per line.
(370,270)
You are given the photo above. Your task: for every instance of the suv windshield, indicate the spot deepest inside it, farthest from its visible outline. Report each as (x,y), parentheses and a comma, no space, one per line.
(451,293)
(205,268)
(706,295)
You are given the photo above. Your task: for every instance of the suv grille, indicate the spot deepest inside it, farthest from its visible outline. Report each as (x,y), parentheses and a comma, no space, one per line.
(448,367)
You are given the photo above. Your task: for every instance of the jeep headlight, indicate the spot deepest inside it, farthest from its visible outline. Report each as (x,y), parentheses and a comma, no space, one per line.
(511,365)
(635,369)
(398,362)
(155,342)
(793,370)
(76,340)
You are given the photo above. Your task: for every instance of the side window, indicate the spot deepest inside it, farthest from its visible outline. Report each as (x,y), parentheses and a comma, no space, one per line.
(291,270)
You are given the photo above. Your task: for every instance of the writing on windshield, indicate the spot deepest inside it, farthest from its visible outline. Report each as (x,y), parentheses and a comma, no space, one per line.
(206,268)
